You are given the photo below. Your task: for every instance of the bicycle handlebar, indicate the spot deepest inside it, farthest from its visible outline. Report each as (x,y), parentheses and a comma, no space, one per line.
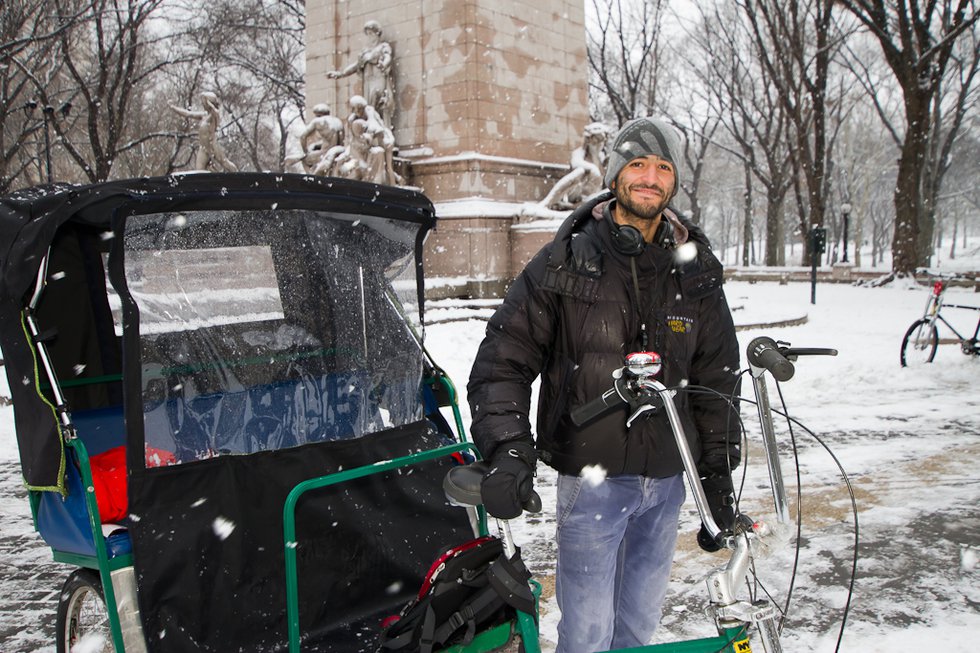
(462,486)
(792,352)
(766,354)
(600,405)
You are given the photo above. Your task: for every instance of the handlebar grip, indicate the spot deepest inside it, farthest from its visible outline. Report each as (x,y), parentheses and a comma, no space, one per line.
(763,352)
(597,407)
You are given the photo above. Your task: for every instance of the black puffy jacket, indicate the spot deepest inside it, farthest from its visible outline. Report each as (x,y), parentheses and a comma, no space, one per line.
(571,317)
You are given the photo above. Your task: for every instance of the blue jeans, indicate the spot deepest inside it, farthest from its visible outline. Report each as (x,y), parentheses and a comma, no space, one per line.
(615,547)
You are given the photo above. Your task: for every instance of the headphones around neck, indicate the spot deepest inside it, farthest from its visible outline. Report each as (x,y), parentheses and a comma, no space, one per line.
(627,239)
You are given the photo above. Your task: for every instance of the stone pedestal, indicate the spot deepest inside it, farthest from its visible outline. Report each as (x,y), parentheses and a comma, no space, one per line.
(841,271)
(491,99)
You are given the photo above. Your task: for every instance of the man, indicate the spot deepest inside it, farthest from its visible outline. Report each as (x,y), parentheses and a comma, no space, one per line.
(624,273)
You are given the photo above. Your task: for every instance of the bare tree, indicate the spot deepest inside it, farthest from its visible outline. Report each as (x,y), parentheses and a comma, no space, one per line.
(740,93)
(625,57)
(699,131)
(251,55)
(963,200)
(29,33)
(796,44)
(97,72)
(917,41)
(956,95)
(103,59)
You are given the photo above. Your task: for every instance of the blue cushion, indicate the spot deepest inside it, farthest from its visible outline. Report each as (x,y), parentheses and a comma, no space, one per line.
(100,429)
(63,522)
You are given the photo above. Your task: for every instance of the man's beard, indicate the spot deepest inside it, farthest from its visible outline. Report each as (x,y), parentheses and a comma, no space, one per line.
(646,211)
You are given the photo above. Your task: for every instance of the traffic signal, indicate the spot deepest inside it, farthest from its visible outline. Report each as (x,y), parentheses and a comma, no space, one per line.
(818,240)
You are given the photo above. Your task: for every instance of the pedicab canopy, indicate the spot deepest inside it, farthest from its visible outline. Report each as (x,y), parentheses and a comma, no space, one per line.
(179,275)
(234,335)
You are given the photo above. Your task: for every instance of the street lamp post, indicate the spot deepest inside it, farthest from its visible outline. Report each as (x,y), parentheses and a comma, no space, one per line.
(846,214)
(48,112)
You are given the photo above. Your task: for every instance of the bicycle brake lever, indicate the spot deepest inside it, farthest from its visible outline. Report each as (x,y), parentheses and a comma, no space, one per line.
(643,408)
(644,399)
(793,353)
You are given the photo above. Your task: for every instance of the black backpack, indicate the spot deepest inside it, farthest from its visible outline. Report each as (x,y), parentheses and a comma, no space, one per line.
(469,588)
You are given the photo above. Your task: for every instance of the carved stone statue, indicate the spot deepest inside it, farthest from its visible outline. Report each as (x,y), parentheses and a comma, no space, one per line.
(374,65)
(321,142)
(370,147)
(585,177)
(208,148)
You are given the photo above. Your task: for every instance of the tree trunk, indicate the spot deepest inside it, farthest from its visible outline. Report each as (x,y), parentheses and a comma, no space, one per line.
(747,222)
(774,231)
(952,241)
(908,195)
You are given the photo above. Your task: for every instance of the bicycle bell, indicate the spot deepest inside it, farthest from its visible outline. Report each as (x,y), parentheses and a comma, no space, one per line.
(643,364)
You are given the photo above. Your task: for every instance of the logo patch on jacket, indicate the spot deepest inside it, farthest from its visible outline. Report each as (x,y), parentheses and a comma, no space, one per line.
(680,324)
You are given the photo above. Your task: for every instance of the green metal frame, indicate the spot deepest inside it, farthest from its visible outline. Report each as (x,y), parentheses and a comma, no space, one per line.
(101,561)
(729,640)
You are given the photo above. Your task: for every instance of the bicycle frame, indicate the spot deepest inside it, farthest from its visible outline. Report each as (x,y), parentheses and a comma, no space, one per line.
(935,304)
(116,574)
(732,616)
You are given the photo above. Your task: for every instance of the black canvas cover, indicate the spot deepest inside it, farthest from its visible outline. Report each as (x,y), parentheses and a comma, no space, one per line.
(77,223)
(210,556)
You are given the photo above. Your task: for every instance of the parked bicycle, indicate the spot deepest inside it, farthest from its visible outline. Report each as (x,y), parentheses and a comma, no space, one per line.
(922,338)
(741,620)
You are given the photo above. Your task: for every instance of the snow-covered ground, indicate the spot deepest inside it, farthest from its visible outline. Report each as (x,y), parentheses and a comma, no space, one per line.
(909,440)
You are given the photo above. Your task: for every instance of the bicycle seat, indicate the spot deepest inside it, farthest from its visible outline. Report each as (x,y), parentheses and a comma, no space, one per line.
(462,483)
(462,486)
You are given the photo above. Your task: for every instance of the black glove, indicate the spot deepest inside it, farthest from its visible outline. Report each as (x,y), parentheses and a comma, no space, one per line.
(509,483)
(720,492)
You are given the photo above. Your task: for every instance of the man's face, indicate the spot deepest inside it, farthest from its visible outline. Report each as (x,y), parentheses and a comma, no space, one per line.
(645,185)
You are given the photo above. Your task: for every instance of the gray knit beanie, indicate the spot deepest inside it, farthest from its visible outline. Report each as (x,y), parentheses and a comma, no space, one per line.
(642,137)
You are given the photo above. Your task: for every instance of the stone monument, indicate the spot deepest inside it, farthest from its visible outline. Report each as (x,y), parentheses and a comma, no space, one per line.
(491,96)
(374,64)
(209,150)
(587,169)
(320,142)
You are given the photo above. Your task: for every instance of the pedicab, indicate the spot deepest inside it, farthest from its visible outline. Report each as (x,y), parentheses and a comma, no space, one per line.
(227,420)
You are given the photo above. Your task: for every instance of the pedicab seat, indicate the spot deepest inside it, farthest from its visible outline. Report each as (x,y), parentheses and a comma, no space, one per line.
(63,522)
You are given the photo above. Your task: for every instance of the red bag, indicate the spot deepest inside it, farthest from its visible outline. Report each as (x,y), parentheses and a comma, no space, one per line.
(109,480)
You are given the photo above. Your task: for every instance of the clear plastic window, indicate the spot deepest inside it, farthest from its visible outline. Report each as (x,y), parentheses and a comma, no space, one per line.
(261,330)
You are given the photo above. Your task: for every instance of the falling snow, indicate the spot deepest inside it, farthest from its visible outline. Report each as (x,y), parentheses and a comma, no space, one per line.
(222,527)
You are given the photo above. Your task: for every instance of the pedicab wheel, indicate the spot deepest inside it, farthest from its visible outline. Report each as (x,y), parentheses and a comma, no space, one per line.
(82,616)
(919,344)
